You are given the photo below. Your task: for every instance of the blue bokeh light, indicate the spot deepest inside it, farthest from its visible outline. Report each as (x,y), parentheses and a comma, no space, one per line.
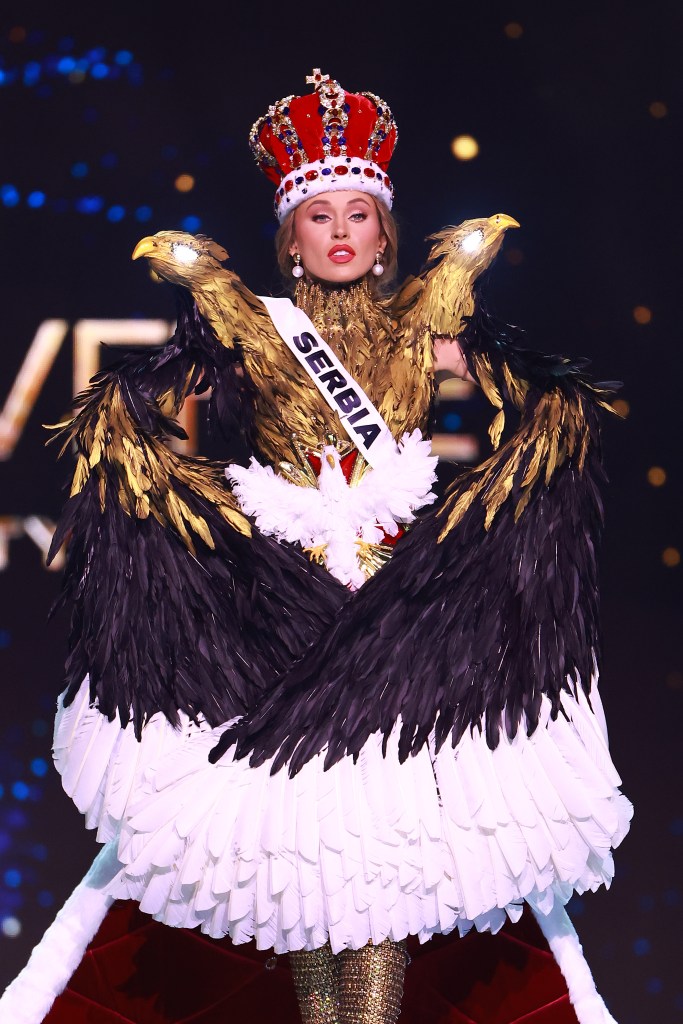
(15,818)
(31,73)
(79,169)
(654,986)
(35,200)
(20,791)
(191,224)
(5,638)
(143,213)
(89,204)
(9,195)
(123,57)
(452,421)
(66,65)
(115,213)
(39,767)
(45,898)
(99,71)
(641,947)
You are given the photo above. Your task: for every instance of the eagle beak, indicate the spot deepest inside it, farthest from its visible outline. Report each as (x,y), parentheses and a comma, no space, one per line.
(144,247)
(503,221)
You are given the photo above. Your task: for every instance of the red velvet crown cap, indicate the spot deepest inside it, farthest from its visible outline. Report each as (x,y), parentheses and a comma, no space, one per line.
(327,140)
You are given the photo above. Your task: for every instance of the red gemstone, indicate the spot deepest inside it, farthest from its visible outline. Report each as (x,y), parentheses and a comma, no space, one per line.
(368,172)
(335,151)
(341,169)
(296,160)
(310,175)
(289,185)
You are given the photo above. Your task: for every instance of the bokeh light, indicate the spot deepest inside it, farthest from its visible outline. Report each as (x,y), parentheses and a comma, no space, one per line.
(11,927)
(514,257)
(513,30)
(642,315)
(658,109)
(184,183)
(671,557)
(656,476)
(464,147)
(621,407)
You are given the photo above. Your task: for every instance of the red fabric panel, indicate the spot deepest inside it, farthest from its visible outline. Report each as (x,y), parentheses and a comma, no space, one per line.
(140,972)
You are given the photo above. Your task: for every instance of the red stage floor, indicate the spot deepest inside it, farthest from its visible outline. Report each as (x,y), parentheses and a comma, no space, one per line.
(139,972)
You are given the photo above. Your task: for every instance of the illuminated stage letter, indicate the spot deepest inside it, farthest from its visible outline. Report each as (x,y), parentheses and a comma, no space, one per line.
(28,382)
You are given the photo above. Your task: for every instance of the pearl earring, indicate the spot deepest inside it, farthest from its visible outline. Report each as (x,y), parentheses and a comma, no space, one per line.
(297,269)
(378,269)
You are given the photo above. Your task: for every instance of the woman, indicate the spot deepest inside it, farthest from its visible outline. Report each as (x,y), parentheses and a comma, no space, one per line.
(281,730)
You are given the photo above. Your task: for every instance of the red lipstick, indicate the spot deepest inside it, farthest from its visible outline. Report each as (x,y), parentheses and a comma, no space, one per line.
(341,253)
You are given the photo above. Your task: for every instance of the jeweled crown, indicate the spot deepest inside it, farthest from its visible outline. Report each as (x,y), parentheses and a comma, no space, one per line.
(327,140)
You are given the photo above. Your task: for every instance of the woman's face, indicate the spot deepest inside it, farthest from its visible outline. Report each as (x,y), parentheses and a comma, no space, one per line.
(337,235)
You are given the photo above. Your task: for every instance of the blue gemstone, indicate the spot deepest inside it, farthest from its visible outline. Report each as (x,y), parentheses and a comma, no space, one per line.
(289,149)
(285,111)
(326,170)
(321,110)
(297,181)
(355,170)
(346,108)
(379,111)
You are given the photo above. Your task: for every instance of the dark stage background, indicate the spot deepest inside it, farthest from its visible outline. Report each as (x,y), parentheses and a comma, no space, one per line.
(578,114)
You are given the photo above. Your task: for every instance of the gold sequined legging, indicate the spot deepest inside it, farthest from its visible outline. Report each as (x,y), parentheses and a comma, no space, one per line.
(356,986)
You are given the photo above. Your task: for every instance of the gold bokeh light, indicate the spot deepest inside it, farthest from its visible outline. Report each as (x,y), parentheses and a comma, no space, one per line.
(513,30)
(621,406)
(671,557)
(656,476)
(658,109)
(464,147)
(184,183)
(642,315)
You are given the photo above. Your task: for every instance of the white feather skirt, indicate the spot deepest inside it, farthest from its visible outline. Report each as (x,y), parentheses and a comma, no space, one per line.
(368,850)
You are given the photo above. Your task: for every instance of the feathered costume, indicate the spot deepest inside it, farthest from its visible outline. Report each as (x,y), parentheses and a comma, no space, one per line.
(270,747)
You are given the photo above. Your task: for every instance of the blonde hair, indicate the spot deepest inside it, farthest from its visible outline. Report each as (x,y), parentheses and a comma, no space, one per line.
(285,236)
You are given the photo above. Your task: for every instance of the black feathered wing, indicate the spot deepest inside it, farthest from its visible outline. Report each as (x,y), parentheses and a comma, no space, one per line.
(176,603)
(490,602)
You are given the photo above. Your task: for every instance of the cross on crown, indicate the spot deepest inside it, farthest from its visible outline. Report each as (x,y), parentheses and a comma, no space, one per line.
(316,78)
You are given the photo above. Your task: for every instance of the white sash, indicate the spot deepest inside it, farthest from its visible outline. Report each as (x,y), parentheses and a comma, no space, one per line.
(357,414)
